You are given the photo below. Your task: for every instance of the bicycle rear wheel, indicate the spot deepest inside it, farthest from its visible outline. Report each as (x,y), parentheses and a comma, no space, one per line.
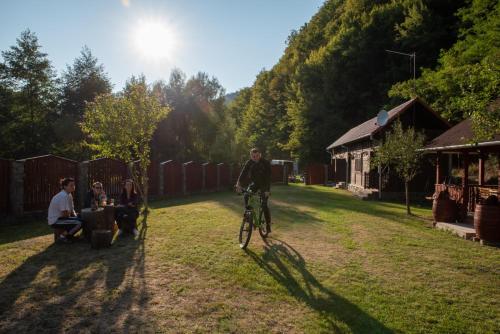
(263,230)
(245,230)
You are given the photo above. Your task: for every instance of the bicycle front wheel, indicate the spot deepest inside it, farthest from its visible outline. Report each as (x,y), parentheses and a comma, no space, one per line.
(246,230)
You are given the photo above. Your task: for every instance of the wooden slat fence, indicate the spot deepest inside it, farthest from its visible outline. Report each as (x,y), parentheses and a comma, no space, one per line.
(172,178)
(5,166)
(315,174)
(194,176)
(224,175)
(277,173)
(210,176)
(235,173)
(111,173)
(153,177)
(42,177)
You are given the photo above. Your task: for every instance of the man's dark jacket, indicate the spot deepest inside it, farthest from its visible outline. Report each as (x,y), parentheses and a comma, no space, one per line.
(258,173)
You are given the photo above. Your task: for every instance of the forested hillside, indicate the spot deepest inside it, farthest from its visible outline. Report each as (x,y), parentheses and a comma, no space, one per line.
(336,73)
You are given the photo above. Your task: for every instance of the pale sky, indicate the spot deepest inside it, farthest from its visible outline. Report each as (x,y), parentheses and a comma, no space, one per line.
(231,40)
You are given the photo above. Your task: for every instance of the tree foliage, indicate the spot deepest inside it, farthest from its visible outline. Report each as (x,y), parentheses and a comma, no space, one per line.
(466,81)
(401,150)
(335,72)
(28,98)
(122,127)
(81,83)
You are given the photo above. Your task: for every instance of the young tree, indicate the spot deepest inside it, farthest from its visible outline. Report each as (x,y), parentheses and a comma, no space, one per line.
(401,150)
(27,74)
(122,127)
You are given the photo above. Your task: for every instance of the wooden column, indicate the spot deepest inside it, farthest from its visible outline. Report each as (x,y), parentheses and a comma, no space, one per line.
(465,185)
(481,169)
(498,170)
(439,174)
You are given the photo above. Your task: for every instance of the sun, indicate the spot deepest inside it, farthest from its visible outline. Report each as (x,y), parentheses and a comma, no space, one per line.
(154,39)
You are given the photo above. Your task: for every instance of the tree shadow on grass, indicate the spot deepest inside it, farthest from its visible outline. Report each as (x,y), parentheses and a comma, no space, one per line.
(75,288)
(287,267)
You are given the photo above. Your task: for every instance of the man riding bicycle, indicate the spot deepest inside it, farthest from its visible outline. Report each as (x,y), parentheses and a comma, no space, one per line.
(257,170)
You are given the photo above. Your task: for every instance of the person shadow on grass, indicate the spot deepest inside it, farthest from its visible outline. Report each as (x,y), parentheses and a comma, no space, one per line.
(287,266)
(76,286)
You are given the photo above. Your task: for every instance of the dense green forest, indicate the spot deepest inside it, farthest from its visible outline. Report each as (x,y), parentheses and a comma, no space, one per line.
(334,73)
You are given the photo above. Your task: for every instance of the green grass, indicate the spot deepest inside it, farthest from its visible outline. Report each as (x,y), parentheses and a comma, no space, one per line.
(334,264)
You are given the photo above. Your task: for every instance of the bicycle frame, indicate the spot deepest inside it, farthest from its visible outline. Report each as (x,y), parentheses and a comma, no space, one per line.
(257,219)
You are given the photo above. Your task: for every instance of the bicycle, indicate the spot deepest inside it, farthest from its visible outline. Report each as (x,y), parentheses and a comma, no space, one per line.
(251,220)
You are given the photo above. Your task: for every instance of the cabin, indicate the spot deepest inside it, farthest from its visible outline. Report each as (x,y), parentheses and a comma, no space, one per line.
(468,169)
(352,153)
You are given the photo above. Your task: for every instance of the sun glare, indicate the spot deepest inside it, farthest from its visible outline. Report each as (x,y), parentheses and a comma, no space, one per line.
(154,40)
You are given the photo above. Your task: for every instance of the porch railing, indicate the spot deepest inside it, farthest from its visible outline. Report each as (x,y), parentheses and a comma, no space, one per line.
(475,193)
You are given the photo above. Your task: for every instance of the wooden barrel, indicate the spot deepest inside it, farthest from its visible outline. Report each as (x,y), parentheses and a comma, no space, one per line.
(444,210)
(487,222)
(101,239)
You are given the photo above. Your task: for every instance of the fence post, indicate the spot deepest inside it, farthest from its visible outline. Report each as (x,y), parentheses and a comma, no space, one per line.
(83,182)
(184,186)
(17,188)
(203,176)
(161,178)
(218,177)
(231,175)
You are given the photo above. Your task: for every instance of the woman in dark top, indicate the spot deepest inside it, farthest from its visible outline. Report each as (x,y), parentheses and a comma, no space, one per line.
(127,212)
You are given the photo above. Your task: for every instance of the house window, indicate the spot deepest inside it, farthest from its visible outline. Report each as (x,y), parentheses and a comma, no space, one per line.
(358,164)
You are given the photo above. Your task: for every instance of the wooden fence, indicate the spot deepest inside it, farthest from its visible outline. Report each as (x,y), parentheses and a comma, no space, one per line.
(224,175)
(42,177)
(277,173)
(4,186)
(110,172)
(194,177)
(210,176)
(39,179)
(315,174)
(172,178)
(153,177)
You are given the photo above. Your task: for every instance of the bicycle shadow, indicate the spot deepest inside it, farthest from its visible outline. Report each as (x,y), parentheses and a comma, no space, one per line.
(287,266)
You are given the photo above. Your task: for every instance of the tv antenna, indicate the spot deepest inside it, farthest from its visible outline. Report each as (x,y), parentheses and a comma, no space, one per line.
(413,56)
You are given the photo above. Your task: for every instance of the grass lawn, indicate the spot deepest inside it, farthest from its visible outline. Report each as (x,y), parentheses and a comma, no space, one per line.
(334,264)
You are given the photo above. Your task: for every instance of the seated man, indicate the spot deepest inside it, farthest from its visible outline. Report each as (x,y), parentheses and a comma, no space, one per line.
(62,213)
(95,195)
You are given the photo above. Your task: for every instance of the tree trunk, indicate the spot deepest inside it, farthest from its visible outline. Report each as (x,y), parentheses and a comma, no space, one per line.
(407,195)
(145,181)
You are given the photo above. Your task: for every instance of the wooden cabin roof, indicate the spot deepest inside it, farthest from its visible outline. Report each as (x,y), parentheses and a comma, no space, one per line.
(459,136)
(371,127)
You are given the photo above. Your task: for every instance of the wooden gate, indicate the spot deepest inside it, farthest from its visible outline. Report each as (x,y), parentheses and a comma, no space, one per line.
(111,173)
(42,177)
(4,185)
(172,178)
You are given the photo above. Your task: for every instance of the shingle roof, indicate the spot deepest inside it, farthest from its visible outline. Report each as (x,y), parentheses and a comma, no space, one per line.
(461,135)
(370,127)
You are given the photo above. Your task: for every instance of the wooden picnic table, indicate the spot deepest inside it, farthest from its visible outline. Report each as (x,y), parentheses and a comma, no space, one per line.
(102,218)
